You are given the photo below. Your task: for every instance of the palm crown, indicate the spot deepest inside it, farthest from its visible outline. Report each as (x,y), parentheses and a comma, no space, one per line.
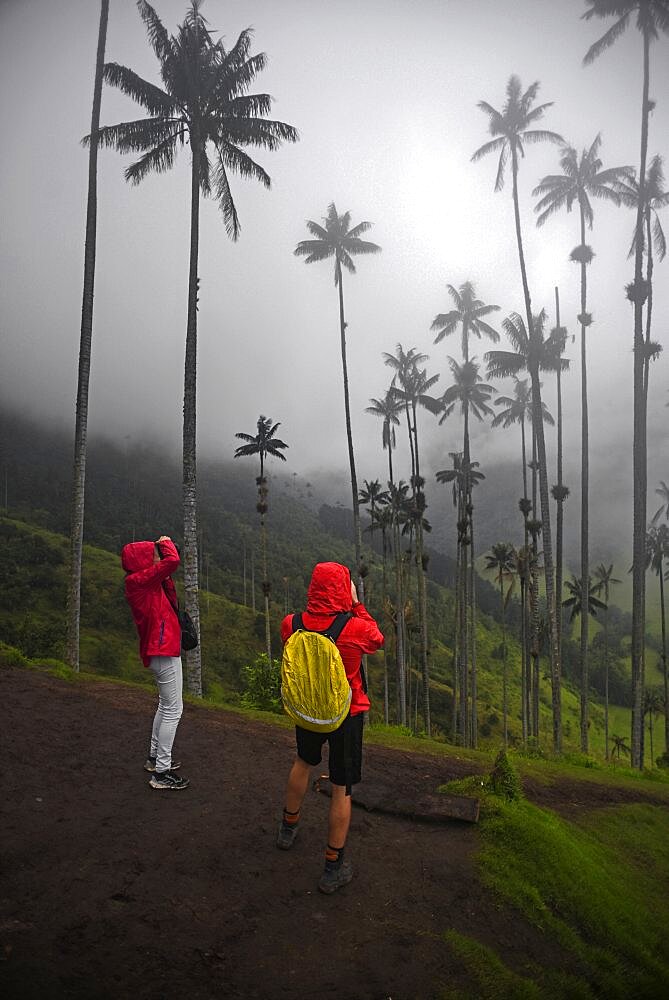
(205,103)
(466,390)
(655,198)
(262,444)
(582,179)
(468,312)
(532,353)
(336,238)
(511,127)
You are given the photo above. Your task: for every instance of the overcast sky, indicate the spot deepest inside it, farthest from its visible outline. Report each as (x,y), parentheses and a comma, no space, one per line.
(384,95)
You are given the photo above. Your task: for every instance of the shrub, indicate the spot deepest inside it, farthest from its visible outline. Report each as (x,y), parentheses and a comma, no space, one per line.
(504,779)
(261,682)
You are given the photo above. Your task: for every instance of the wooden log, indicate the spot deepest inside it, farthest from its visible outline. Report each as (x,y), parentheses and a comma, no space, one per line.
(375,797)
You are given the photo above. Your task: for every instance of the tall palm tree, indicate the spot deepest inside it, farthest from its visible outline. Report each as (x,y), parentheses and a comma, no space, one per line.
(654,239)
(652,17)
(534,353)
(205,103)
(657,555)
(575,603)
(519,409)
(501,559)
(411,385)
(263,444)
(373,494)
(463,476)
(472,396)
(388,409)
(653,702)
(337,239)
(581,180)
(86,336)
(559,491)
(604,581)
(511,130)
(468,315)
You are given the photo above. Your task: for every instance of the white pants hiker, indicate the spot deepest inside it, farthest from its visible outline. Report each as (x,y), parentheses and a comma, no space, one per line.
(169,677)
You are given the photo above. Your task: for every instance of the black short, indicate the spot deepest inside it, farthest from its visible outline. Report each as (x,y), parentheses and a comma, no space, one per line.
(345,746)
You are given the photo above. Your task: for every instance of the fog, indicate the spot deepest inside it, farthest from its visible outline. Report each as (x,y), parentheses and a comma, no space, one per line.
(384,95)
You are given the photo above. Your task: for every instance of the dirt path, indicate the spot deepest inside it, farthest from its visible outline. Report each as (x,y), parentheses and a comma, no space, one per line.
(109,889)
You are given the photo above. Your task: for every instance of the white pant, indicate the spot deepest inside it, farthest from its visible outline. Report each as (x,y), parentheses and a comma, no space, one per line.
(169,677)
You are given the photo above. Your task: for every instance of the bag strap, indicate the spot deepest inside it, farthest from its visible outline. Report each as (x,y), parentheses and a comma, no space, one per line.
(332,632)
(167,595)
(335,629)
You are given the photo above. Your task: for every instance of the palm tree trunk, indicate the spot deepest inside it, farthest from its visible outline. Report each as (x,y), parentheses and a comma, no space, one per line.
(649,302)
(663,619)
(456,645)
(639,453)
(505,703)
(86,335)
(357,536)
(421,566)
(585,472)
(560,503)
(399,626)
(606,679)
(190,562)
(472,605)
(543,487)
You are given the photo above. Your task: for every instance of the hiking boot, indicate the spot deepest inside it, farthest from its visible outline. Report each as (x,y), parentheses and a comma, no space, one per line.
(150,765)
(334,878)
(286,836)
(168,780)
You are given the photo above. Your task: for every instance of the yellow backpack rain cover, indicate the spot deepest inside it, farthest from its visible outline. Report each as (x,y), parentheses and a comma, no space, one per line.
(315,690)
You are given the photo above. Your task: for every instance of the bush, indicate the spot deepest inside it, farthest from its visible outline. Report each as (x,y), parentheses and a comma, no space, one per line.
(504,779)
(663,760)
(261,682)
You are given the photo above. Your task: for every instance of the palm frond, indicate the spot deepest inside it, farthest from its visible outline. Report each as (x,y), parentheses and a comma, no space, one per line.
(155,100)
(158,160)
(225,201)
(488,147)
(608,38)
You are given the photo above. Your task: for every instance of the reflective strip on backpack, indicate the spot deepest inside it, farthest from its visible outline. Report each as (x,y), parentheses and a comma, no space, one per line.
(316,722)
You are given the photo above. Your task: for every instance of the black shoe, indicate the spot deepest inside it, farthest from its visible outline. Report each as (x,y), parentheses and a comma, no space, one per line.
(286,836)
(150,765)
(334,878)
(168,780)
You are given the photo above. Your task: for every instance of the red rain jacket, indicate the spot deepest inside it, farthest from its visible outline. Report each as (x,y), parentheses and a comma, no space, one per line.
(156,620)
(329,593)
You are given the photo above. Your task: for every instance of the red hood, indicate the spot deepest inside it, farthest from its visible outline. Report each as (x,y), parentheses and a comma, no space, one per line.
(137,555)
(329,590)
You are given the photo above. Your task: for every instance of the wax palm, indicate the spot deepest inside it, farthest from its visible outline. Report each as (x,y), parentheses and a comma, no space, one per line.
(559,491)
(468,315)
(373,494)
(388,409)
(581,180)
(604,580)
(463,476)
(264,444)
(511,130)
(411,385)
(619,746)
(205,103)
(652,18)
(575,600)
(501,561)
(655,198)
(337,240)
(85,340)
(657,556)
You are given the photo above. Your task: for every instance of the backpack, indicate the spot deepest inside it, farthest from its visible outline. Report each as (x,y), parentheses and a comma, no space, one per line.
(315,690)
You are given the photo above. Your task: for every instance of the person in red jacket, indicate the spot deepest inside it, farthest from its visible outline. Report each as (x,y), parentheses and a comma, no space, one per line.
(150,592)
(330,592)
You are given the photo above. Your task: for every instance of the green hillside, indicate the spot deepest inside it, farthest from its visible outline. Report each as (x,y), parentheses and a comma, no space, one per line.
(136,493)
